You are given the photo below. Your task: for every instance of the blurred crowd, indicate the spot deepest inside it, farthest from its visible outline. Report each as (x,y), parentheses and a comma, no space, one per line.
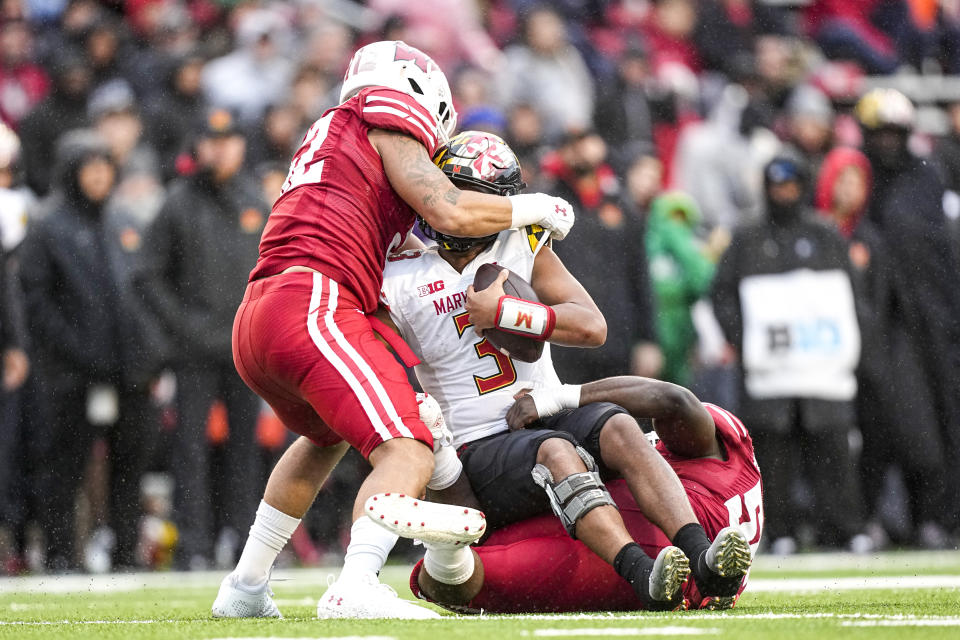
(753,221)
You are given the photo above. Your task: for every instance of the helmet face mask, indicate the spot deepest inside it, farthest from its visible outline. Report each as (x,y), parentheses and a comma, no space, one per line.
(398,66)
(476,161)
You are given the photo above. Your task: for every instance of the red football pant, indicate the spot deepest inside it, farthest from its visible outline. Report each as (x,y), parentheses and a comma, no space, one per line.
(303,344)
(533,566)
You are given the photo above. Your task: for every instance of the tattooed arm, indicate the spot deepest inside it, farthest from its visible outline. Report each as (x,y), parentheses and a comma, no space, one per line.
(424,187)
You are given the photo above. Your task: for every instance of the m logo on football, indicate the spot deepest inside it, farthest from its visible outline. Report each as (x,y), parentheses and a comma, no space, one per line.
(430,289)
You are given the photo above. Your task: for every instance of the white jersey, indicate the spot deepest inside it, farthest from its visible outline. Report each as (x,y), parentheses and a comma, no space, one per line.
(473,382)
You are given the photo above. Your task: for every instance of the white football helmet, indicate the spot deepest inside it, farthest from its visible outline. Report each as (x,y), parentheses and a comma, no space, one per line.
(396,65)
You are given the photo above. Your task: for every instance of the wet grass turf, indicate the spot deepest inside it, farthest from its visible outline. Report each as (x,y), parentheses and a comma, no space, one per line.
(794,598)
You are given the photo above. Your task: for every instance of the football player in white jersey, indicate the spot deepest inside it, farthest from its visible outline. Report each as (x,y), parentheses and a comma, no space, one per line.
(429,299)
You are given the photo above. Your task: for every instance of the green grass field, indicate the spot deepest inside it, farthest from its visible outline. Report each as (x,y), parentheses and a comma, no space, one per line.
(894,595)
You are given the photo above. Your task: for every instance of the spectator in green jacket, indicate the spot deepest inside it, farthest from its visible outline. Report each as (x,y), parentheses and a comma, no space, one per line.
(681,273)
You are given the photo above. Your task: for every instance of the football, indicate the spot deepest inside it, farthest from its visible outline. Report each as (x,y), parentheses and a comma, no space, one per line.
(509,344)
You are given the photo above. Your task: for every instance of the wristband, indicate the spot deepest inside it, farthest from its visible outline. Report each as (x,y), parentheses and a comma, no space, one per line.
(527,209)
(525,318)
(551,400)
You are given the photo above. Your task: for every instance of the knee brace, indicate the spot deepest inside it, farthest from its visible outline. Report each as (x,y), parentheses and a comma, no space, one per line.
(577,494)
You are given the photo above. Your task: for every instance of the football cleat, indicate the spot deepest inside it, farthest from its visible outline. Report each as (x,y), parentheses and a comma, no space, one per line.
(237,600)
(430,522)
(368,598)
(729,556)
(670,569)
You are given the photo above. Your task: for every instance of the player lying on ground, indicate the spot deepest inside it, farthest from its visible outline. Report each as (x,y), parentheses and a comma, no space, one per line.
(432,303)
(533,566)
(301,338)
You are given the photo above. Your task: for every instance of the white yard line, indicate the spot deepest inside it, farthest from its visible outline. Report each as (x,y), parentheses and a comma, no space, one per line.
(709,616)
(845,619)
(622,631)
(900,623)
(44,623)
(312,579)
(826,583)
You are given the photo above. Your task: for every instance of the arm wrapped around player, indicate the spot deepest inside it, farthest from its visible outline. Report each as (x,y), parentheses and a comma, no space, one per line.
(525,318)
(550,212)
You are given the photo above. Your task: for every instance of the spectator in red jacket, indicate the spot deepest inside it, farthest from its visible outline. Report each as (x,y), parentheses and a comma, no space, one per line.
(22,83)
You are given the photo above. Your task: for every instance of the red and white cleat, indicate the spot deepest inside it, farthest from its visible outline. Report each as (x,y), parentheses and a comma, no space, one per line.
(429,522)
(368,598)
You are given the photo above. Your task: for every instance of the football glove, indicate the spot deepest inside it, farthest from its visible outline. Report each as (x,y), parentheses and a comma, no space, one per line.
(555,214)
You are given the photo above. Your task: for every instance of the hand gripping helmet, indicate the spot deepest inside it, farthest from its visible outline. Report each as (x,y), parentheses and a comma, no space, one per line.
(396,65)
(476,161)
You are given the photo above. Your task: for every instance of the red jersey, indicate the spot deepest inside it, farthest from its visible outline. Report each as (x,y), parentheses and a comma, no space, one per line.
(730,489)
(337,212)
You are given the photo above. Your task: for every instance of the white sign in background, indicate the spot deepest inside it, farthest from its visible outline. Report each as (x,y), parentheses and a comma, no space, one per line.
(801,338)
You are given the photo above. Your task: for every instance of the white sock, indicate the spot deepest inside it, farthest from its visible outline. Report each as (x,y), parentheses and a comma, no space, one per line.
(448,564)
(269,533)
(368,549)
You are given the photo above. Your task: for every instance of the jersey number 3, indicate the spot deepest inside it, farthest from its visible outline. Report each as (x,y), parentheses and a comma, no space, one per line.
(506,374)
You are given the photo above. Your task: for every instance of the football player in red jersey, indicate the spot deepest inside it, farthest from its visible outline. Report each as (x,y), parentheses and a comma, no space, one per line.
(302,339)
(708,448)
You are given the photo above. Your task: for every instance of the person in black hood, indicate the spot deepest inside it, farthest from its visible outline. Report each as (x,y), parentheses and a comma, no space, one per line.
(85,335)
(906,206)
(198,253)
(784,183)
(172,111)
(784,298)
(64,109)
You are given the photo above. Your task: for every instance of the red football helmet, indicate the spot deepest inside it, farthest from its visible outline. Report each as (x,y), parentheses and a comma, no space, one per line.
(476,161)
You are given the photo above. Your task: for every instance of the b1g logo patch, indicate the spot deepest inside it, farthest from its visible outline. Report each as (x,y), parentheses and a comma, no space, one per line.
(430,289)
